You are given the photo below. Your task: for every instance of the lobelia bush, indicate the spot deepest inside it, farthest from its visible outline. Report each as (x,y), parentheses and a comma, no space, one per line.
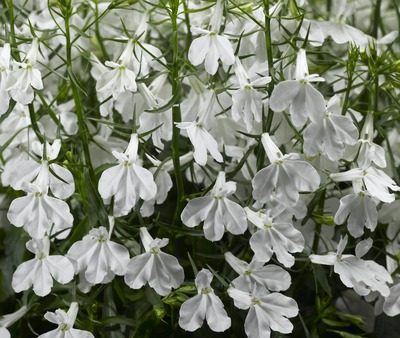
(219,168)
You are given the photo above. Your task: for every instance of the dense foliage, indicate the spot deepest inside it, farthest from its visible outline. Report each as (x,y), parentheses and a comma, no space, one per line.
(221,168)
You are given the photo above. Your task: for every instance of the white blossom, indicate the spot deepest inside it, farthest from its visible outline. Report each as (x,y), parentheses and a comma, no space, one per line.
(271,276)
(9,319)
(376,182)
(205,305)
(43,172)
(40,213)
(329,135)
(274,236)
(127,181)
(119,78)
(361,275)
(21,81)
(160,270)
(285,177)
(217,211)
(302,99)
(209,48)
(202,142)
(267,311)
(98,257)
(65,322)
(40,271)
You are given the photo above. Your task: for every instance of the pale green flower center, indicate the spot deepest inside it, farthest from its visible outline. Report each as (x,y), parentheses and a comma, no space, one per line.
(102,239)
(154,251)
(206,291)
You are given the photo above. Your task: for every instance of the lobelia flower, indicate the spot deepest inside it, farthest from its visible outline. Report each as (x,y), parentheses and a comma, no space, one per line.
(247,101)
(267,311)
(10,319)
(40,213)
(20,82)
(98,257)
(5,53)
(209,48)
(127,181)
(331,133)
(302,99)
(120,78)
(216,211)
(361,275)
(366,150)
(65,322)
(391,305)
(274,236)
(163,181)
(271,276)
(160,270)
(284,178)
(57,178)
(202,141)
(376,182)
(205,305)
(359,208)
(40,271)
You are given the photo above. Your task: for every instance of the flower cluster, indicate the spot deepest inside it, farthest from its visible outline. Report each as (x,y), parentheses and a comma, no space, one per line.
(171,163)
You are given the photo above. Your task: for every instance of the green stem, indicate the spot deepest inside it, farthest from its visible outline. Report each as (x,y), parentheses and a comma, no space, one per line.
(267,120)
(176,109)
(14,50)
(376,19)
(320,210)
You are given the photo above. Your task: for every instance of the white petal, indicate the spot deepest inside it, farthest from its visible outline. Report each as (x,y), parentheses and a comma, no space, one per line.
(217,318)
(283,95)
(197,210)
(192,313)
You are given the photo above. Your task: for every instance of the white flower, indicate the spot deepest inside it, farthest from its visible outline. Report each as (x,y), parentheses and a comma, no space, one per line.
(247,101)
(160,270)
(354,272)
(376,182)
(209,48)
(41,270)
(57,178)
(270,276)
(120,78)
(359,208)
(366,150)
(98,257)
(391,306)
(216,211)
(10,319)
(20,82)
(284,178)
(4,70)
(267,311)
(65,322)
(127,181)
(303,100)
(205,305)
(274,236)
(163,181)
(202,142)
(331,133)
(39,213)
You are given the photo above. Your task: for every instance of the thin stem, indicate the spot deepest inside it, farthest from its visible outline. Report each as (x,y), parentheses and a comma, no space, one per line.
(176,109)
(267,120)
